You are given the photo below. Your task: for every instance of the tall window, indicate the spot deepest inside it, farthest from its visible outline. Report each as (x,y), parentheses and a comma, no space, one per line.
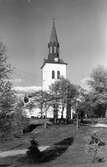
(53,74)
(58,74)
(54,49)
(50,49)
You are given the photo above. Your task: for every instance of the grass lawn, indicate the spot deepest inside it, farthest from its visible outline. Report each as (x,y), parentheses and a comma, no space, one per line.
(74,156)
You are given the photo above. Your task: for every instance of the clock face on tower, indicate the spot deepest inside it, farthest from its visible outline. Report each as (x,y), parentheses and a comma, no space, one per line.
(56,59)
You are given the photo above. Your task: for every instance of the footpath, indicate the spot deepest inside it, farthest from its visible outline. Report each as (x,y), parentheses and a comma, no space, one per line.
(9,153)
(76,155)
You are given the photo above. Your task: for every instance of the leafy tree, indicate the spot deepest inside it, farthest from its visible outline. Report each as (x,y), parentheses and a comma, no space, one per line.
(85,106)
(7,96)
(40,99)
(20,122)
(79,103)
(98,85)
(98,81)
(5,68)
(64,92)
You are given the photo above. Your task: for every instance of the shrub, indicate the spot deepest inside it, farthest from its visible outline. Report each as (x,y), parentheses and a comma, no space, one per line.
(95,146)
(33,152)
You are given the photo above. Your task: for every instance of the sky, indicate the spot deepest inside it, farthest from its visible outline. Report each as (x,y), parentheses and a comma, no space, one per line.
(25,27)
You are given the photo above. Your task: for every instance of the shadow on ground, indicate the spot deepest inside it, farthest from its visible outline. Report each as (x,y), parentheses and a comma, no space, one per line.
(4,165)
(35,156)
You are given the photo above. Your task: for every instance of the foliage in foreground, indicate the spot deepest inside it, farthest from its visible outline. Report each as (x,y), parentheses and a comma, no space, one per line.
(7,96)
(95,146)
(11,118)
(95,101)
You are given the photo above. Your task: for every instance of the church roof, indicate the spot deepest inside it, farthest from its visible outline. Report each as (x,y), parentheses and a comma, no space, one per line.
(53,36)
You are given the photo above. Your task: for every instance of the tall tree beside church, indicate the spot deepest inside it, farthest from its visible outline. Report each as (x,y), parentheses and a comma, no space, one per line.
(64,92)
(42,100)
(98,81)
(7,97)
(98,85)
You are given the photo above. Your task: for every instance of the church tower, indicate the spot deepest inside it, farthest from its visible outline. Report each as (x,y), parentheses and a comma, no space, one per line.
(53,67)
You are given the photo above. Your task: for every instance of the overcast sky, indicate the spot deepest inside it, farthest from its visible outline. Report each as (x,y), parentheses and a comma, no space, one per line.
(81,25)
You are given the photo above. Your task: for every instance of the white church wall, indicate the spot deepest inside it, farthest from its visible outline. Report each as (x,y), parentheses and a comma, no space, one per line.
(36,112)
(49,112)
(47,73)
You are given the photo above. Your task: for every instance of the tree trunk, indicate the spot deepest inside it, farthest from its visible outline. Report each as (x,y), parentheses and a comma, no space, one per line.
(55,113)
(68,112)
(77,121)
(62,112)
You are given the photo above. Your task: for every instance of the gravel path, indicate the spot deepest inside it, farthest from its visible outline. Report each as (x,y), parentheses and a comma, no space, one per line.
(98,125)
(18,152)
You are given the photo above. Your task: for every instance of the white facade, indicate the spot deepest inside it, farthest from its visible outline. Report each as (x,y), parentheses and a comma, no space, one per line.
(35,112)
(47,70)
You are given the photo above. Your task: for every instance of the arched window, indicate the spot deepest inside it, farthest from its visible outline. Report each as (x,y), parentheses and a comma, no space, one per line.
(50,49)
(58,74)
(54,49)
(53,74)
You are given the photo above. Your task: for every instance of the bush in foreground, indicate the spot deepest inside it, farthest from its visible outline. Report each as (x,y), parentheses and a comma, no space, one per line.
(95,146)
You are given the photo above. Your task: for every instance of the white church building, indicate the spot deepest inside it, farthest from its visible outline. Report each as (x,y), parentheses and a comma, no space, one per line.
(53,68)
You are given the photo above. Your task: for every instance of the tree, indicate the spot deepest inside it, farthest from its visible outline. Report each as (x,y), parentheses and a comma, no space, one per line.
(7,96)
(64,92)
(40,99)
(98,80)
(85,106)
(5,68)
(98,85)
(20,122)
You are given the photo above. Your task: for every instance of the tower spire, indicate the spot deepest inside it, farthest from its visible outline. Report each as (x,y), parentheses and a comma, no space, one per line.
(53,44)
(53,47)
(53,36)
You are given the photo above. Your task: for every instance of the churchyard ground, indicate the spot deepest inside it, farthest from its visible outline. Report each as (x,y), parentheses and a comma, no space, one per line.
(74,156)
